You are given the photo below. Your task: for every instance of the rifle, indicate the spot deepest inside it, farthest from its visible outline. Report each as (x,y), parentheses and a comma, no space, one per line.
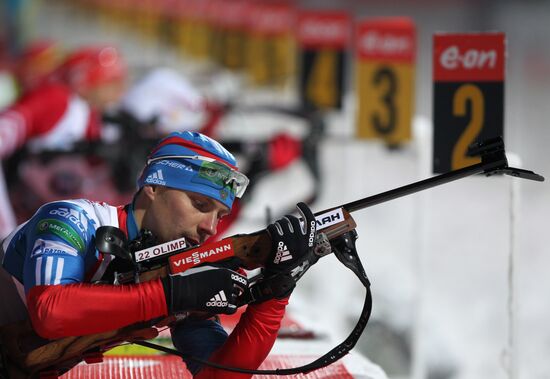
(336,234)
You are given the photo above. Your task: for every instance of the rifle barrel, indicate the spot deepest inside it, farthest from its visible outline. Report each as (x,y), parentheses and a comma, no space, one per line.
(416,187)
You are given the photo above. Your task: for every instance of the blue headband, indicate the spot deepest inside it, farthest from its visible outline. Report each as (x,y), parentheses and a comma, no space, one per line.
(193,162)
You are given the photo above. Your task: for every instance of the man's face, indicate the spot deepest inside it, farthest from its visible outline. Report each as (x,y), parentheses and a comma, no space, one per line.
(174,214)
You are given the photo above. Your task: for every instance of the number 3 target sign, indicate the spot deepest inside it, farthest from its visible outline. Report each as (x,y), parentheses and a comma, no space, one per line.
(468,95)
(385,78)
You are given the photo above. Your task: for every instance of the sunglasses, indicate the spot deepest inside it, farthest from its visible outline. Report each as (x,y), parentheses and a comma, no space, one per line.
(214,171)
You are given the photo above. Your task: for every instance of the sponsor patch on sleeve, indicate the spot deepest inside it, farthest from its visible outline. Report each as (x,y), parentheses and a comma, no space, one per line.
(46,247)
(62,230)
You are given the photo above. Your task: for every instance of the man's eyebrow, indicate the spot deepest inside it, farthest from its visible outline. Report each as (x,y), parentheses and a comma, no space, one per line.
(214,204)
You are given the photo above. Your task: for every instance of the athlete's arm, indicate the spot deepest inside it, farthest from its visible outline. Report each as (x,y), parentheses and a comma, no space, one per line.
(78,309)
(251,340)
(59,249)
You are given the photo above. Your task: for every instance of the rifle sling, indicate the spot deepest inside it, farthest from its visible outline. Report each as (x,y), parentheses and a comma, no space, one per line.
(332,356)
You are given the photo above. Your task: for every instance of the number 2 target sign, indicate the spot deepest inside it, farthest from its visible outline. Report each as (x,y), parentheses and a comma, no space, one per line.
(468,103)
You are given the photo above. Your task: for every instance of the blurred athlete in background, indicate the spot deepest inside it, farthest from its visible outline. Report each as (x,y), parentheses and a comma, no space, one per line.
(36,63)
(61,111)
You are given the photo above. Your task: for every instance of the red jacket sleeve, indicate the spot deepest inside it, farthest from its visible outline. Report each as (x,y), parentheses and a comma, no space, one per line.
(250,342)
(35,114)
(58,311)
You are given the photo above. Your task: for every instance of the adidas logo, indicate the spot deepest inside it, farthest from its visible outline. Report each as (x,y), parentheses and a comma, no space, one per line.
(239,279)
(219,300)
(155,178)
(282,253)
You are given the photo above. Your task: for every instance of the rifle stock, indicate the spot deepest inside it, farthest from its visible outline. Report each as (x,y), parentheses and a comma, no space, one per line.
(28,354)
(253,249)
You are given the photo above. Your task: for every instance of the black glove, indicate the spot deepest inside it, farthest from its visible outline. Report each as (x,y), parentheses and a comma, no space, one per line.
(204,289)
(292,249)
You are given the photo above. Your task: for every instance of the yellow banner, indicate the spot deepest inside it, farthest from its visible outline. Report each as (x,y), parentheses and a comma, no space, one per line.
(232,49)
(200,39)
(271,59)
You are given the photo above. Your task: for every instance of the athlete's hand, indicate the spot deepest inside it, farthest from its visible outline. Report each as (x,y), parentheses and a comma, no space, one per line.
(204,289)
(292,243)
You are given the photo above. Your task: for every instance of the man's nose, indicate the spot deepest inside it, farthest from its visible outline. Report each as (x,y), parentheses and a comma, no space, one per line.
(209,224)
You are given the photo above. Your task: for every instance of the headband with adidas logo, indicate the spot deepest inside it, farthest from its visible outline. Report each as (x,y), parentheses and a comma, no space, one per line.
(196,163)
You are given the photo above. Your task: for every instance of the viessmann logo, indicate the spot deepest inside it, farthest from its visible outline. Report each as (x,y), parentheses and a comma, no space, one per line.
(209,253)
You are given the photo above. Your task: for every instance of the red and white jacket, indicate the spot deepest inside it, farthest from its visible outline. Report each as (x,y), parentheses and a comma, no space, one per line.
(50,117)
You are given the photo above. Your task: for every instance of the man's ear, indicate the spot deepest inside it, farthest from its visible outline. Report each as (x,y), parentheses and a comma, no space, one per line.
(149,191)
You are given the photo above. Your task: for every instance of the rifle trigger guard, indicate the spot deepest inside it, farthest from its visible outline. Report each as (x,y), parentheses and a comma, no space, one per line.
(346,252)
